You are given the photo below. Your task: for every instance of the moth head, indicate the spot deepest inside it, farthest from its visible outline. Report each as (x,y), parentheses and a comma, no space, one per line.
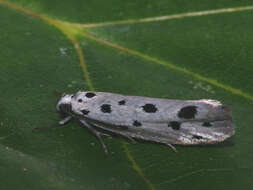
(64,105)
(75,104)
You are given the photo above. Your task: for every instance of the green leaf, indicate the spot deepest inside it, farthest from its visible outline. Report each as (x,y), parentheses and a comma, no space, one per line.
(171,49)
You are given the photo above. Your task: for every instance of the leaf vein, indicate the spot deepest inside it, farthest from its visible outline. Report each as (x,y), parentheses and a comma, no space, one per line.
(167,17)
(171,66)
(62,27)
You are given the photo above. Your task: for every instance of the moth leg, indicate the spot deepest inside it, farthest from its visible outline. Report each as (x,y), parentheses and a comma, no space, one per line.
(65,120)
(123,135)
(105,134)
(128,137)
(97,134)
(172,147)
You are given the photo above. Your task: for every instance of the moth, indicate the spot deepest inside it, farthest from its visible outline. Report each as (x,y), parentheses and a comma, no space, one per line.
(166,121)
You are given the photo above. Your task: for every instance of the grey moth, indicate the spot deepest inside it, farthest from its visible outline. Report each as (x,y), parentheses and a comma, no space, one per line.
(166,121)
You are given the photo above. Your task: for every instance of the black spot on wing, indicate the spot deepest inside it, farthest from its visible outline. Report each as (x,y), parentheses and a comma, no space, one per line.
(207,124)
(106,108)
(188,112)
(149,108)
(122,102)
(90,94)
(174,125)
(137,123)
(80,100)
(85,112)
(197,137)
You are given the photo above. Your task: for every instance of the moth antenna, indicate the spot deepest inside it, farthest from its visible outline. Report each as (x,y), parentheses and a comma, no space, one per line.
(47,127)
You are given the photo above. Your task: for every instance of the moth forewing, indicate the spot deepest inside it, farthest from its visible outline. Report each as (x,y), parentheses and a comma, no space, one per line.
(159,120)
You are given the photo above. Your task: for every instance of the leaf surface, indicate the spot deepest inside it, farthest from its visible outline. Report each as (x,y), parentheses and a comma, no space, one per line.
(168,49)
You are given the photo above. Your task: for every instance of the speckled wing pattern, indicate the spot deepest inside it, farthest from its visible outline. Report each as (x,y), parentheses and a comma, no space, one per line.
(153,119)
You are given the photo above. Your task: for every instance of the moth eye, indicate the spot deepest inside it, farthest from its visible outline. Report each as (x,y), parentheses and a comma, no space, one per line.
(90,94)
(80,100)
(149,108)
(137,123)
(188,112)
(174,125)
(106,108)
(197,137)
(85,112)
(207,124)
(122,102)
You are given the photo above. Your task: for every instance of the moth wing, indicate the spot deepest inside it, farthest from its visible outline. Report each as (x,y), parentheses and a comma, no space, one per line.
(185,133)
(158,120)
